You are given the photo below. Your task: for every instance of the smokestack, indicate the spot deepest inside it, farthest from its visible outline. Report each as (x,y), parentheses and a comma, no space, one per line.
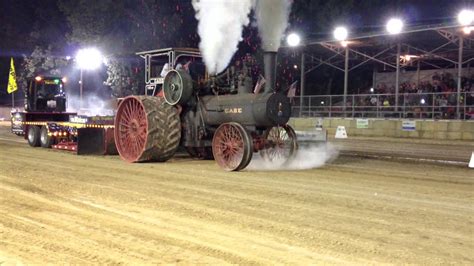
(269,61)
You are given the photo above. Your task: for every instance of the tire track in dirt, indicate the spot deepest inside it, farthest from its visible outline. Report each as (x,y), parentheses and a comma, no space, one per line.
(183,234)
(190,211)
(336,217)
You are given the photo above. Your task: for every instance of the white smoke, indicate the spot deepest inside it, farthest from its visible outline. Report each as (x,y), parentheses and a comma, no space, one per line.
(91,105)
(220,27)
(272,20)
(306,157)
(221,23)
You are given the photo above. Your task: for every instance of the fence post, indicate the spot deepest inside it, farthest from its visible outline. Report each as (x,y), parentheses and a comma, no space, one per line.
(330,105)
(377,112)
(310,108)
(460,51)
(433,103)
(301,105)
(465,103)
(353,105)
(404,105)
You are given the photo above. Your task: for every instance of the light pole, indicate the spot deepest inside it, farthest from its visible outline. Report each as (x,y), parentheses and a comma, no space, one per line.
(341,34)
(81,86)
(394,27)
(294,40)
(465,19)
(87,59)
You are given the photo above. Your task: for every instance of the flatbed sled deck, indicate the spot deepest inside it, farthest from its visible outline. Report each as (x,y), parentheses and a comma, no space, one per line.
(80,134)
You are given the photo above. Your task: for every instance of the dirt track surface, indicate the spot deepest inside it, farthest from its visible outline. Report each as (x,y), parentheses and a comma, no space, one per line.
(425,149)
(56,207)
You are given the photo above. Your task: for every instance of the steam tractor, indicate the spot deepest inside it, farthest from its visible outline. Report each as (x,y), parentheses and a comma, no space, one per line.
(216,116)
(211,116)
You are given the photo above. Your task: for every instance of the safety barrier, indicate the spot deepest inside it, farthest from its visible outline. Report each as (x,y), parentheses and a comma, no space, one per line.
(393,128)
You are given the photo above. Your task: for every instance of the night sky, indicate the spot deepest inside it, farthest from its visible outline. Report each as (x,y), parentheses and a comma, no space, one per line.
(26,24)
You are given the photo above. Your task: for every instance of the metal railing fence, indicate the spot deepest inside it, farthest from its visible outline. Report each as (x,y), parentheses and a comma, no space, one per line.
(411,105)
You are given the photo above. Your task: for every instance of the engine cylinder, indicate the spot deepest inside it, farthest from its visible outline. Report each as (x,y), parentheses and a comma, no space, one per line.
(260,110)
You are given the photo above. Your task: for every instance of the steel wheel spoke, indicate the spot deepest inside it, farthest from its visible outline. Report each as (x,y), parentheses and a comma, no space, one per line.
(132,129)
(228,146)
(279,144)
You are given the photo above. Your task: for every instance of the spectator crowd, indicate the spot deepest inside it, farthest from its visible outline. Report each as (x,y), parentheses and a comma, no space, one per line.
(439,93)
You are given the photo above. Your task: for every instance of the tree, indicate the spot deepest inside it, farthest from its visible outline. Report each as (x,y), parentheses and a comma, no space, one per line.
(121,28)
(92,23)
(123,78)
(41,62)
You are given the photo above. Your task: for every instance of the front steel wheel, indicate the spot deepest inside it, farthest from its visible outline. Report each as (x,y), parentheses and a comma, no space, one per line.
(232,147)
(280,144)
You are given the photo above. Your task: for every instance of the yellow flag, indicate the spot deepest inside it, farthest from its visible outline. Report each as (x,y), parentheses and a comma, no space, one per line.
(12,86)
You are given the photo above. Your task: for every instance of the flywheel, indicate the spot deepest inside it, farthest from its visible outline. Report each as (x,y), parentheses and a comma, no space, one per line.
(177,87)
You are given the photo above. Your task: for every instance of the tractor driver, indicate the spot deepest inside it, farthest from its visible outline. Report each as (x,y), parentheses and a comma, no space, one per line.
(165,70)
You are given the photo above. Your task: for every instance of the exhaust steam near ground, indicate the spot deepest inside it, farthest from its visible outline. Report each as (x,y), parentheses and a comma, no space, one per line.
(91,105)
(307,157)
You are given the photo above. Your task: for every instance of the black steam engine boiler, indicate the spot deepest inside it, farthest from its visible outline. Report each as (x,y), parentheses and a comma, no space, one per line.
(210,116)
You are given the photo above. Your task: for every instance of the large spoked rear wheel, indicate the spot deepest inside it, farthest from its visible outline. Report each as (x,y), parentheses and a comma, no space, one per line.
(280,144)
(146,129)
(232,147)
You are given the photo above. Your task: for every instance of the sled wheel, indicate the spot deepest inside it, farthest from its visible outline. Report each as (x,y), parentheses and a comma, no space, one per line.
(45,140)
(34,136)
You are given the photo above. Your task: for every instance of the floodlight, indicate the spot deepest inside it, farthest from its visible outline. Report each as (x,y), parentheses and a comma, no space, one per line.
(466,17)
(468,30)
(293,39)
(394,26)
(89,58)
(341,33)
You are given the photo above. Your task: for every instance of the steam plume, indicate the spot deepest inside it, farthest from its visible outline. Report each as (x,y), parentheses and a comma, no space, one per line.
(272,20)
(220,28)
(91,105)
(306,157)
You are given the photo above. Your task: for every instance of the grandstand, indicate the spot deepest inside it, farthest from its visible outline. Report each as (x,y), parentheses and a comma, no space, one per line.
(424,72)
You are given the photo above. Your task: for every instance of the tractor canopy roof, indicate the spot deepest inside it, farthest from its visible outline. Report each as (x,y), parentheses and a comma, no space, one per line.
(163,51)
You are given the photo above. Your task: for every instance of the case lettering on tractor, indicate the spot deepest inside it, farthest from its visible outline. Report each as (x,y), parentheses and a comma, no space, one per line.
(233,110)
